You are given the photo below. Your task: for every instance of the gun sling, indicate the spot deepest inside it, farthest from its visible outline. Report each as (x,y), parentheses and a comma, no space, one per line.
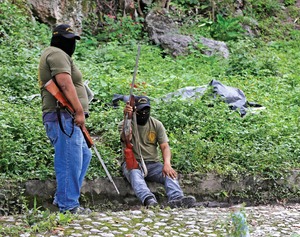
(58,107)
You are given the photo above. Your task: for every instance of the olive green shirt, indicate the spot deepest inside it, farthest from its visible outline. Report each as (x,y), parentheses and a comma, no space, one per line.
(52,62)
(151,135)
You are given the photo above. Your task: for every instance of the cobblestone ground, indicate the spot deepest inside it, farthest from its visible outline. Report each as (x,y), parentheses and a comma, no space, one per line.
(262,221)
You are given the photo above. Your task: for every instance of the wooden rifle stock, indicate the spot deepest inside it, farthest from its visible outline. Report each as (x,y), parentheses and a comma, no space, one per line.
(87,136)
(131,162)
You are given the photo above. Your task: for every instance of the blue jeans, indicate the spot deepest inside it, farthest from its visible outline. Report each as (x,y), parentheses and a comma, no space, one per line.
(139,185)
(71,160)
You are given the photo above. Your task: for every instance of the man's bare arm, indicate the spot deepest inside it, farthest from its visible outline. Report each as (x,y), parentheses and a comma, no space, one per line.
(166,154)
(65,83)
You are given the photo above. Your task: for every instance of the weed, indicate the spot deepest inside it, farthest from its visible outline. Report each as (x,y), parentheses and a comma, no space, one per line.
(226,29)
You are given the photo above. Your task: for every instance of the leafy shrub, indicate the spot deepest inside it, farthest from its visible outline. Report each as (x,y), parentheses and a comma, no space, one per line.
(24,148)
(18,63)
(289,2)
(123,30)
(226,29)
(263,8)
(187,2)
(246,60)
(207,8)
(205,134)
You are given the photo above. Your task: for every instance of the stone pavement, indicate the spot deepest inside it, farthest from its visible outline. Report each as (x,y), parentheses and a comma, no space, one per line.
(200,221)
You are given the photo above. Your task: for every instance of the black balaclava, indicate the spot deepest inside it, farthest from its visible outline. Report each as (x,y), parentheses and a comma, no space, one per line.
(67,45)
(142,116)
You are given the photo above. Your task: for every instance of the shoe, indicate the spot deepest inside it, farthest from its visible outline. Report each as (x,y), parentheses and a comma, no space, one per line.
(188,201)
(185,201)
(175,203)
(79,211)
(150,202)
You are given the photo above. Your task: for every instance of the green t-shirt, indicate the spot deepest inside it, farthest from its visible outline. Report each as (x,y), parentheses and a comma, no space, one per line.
(151,135)
(52,62)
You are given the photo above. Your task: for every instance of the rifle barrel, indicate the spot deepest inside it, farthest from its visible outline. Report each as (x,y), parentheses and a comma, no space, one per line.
(104,167)
(135,69)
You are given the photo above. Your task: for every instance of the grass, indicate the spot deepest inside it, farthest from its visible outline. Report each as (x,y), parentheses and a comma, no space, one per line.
(205,134)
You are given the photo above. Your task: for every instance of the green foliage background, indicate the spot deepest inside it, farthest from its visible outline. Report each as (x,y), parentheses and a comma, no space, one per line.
(205,135)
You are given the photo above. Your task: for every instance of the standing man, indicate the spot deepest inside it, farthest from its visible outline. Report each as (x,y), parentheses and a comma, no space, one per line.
(72,155)
(147,135)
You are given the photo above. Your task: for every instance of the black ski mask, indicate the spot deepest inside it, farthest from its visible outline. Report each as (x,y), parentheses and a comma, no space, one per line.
(142,116)
(65,44)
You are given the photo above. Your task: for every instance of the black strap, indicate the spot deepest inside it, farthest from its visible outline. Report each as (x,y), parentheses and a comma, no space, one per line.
(60,123)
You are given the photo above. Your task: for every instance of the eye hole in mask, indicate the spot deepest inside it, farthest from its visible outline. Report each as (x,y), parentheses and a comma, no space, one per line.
(142,116)
(143,112)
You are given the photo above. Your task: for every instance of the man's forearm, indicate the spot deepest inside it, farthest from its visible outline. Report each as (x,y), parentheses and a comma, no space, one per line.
(166,153)
(64,80)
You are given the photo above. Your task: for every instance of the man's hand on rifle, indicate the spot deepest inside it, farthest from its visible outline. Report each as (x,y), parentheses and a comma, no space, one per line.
(79,119)
(127,132)
(128,108)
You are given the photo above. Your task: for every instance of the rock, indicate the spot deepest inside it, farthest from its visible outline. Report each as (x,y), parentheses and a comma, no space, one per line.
(57,12)
(164,32)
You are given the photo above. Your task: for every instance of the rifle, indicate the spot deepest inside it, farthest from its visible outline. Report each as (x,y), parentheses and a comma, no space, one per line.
(51,87)
(131,162)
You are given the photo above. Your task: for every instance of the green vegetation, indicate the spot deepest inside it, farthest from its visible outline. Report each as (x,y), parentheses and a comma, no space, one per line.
(205,135)
(36,221)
